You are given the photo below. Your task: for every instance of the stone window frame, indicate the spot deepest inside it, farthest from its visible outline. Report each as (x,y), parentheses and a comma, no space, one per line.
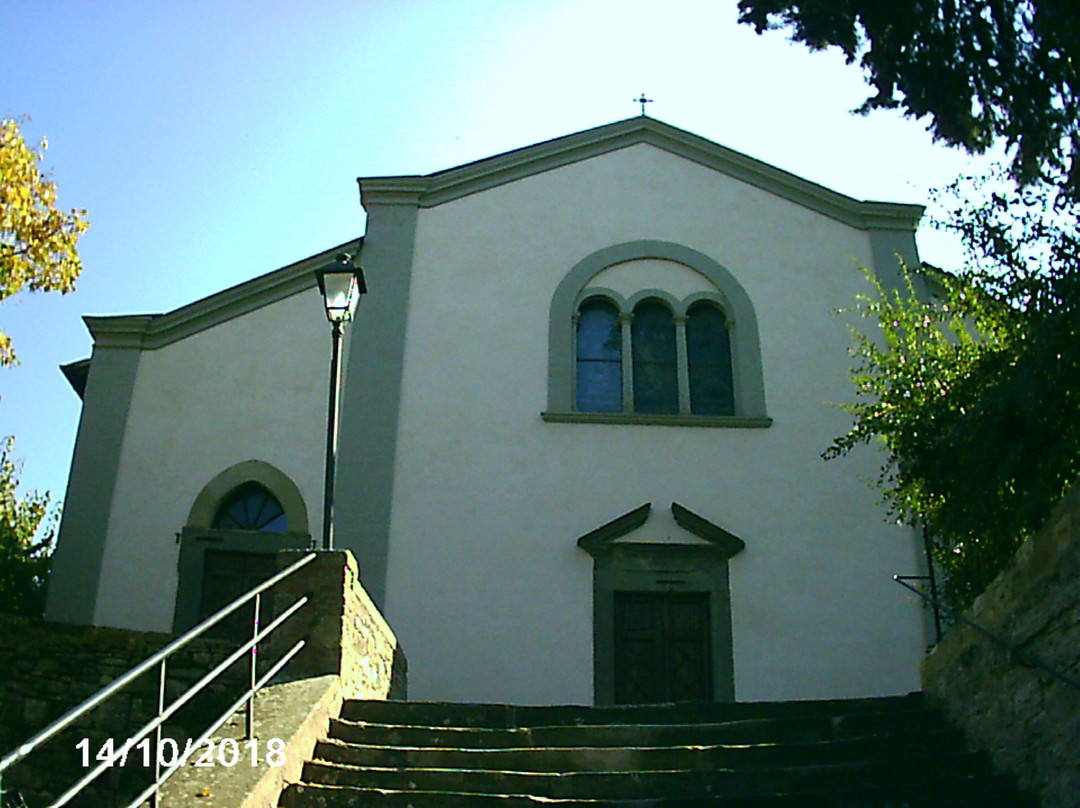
(572,292)
(197,536)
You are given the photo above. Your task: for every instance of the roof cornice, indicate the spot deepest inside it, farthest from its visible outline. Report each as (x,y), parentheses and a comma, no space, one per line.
(150,331)
(445,186)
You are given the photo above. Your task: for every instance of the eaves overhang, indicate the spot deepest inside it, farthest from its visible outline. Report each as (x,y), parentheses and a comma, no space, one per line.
(151,331)
(76,373)
(445,186)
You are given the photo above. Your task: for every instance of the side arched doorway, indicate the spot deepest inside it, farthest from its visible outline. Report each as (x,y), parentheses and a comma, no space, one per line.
(236,526)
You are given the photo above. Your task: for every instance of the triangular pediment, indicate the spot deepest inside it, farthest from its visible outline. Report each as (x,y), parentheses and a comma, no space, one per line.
(713,537)
(445,186)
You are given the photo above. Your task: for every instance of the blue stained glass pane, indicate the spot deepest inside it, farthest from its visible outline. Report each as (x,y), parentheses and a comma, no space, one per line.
(599,358)
(708,352)
(599,386)
(598,335)
(656,378)
(251,507)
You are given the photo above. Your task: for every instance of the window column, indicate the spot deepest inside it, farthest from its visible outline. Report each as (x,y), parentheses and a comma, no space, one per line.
(682,363)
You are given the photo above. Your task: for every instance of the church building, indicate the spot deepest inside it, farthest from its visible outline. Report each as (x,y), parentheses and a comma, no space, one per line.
(583,409)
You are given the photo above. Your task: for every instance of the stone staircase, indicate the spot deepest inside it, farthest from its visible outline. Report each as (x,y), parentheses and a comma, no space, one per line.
(865,753)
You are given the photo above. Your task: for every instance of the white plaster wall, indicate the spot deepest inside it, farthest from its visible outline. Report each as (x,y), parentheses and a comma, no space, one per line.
(631,277)
(252,388)
(487,589)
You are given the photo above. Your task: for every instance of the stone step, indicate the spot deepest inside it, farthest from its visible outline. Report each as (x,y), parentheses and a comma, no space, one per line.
(636,757)
(971,792)
(508,716)
(864,753)
(779,729)
(642,785)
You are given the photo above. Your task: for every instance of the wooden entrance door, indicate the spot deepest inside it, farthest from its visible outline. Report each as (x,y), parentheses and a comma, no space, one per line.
(662,647)
(227,576)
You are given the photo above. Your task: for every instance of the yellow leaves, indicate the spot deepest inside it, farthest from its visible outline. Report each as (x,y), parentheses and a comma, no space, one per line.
(37,240)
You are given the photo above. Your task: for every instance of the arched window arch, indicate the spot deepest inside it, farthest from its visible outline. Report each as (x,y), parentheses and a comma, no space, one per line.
(708,360)
(708,327)
(655,358)
(250,506)
(599,371)
(237,524)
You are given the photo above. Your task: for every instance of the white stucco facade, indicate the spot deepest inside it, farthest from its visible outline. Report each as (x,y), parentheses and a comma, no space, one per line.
(485,582)
(252,387)
(463,490)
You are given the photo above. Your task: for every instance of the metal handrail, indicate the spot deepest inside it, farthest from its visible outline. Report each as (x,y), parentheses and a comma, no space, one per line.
(159,659)
(1020,656)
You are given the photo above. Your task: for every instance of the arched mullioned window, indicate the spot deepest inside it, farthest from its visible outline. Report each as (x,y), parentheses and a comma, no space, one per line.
(717,357)
(599,357)
(250,506)
(656,364)
(708,355)
(679,363)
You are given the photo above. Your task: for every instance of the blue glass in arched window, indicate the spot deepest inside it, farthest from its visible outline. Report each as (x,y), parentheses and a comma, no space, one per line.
(656,377)
(599,358)
(251,507)
(708,354)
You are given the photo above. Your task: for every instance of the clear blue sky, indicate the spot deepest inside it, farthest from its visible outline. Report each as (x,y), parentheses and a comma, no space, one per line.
(212,142)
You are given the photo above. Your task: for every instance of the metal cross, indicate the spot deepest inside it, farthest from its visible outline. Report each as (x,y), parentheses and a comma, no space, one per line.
(643,101)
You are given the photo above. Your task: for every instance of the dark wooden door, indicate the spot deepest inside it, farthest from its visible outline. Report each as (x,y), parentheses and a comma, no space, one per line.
(662,647)
(227,576)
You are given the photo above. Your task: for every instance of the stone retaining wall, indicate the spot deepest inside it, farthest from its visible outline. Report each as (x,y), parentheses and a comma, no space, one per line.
(346,633)
(1027,720)
(48,668)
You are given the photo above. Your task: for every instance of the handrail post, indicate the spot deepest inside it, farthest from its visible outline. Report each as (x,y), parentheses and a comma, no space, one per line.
(156,796)
(249,712)
(927,548)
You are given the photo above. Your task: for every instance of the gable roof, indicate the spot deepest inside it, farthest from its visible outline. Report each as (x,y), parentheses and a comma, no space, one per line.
(445,186)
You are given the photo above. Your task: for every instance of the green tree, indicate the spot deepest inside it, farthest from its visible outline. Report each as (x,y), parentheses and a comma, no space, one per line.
(37,240)
(980,69)
(27,532)
(975,391)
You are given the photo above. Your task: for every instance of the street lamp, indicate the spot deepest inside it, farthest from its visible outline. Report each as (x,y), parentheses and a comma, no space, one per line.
(342,285)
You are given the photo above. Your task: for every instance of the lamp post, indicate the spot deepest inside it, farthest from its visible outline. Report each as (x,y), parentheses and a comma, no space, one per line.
(342,285)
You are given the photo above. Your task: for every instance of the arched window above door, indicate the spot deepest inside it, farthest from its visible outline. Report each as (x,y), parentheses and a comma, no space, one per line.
(237,524)
(250,506)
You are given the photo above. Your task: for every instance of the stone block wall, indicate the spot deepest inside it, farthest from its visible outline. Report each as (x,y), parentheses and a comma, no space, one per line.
(48,668)
(1028,721)
(346,633)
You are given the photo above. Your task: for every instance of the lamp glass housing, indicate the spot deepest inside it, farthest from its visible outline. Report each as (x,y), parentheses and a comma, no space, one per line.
(342,286)
(341,295)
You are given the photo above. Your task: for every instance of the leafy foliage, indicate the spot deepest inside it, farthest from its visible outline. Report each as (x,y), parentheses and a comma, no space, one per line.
(975,391)
(37,240)
(27,532)
(980,70)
